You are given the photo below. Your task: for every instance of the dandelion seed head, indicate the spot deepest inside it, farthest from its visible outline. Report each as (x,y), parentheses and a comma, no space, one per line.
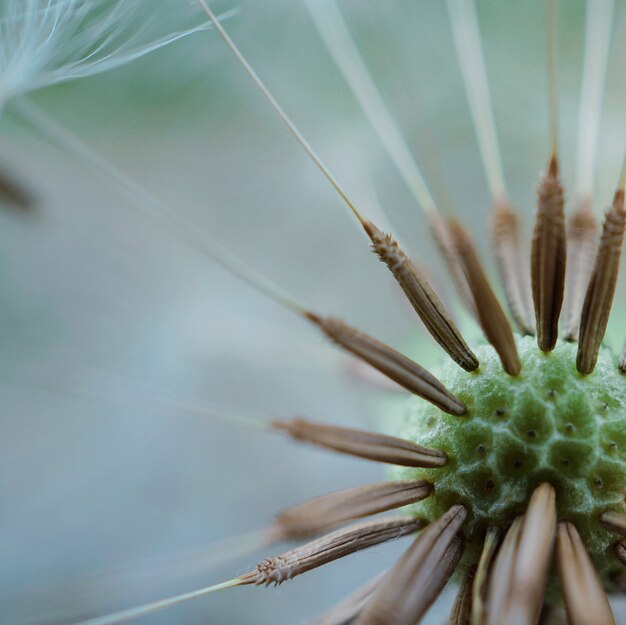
(45,42)
(549,424)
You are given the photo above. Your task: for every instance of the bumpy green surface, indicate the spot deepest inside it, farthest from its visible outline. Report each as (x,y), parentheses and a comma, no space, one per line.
(549,424)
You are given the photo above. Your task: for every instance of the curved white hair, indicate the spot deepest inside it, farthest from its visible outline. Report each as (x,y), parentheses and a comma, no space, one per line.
(44,42)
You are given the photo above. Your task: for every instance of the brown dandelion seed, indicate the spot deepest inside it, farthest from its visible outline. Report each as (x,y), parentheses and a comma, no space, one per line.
(441,234)
(328,548)
(582,231)
(518,578)
(492,319)
(416,580)
(548,257)
(601,289)
(512,265)
(462,609)
(347,610)
(620,552)
(423,299)
(388,361)
(615,522)
(369,445)
(622,359)
(327,511)
(479,587)
(585,600)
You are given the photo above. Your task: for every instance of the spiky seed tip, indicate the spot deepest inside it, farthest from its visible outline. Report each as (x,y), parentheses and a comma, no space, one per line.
(585,599)
(519,574)
(582,244)
(599,297)
(345,612)
(479,584)
(441,235)
(462,608)
(331,547)
(388,361)
(548,257)
(416,580)
(622,359)
(369,445)
(512,266)
(492,319)
(620,552)
(615,522)
(422,297)
(328,511)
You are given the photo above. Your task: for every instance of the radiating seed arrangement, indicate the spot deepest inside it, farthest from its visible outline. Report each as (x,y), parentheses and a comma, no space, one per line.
(514,459)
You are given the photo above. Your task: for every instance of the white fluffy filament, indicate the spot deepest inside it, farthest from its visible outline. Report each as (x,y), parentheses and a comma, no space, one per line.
(340,45)
(598,30)
(467,41)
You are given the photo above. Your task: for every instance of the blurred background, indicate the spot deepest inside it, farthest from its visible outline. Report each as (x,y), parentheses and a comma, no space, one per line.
(111,492)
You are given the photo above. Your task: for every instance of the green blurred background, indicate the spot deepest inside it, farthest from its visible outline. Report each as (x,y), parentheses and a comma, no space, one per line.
(109,499)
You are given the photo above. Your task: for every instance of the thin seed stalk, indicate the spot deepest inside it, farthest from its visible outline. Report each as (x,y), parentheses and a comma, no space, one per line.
(369,445)
(492,319)
(331,547)
(512,265)
(391,363)
(582,245)
(599,297)
(548,257)
(422,297)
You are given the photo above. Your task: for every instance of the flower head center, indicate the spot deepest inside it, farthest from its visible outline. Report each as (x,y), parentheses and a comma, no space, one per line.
(548,424)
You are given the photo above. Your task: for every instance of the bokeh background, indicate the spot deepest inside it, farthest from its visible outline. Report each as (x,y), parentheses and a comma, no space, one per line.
(112,492)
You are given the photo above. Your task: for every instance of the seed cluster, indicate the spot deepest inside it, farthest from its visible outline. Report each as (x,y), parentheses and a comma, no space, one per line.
(549,424)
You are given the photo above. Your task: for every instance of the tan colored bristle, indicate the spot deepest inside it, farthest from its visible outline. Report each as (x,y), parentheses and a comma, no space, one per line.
(416,580)
(441,236)
(512,266)
(492,319)
(479,587)
(462,608)
(518,578)
(548,257)
(328,511)
(331,547)
(620,552)
(615,522)
(369,445)
(345,612)
(582,244)
(585,600)
(394,365)
(599,297)
(423,299)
